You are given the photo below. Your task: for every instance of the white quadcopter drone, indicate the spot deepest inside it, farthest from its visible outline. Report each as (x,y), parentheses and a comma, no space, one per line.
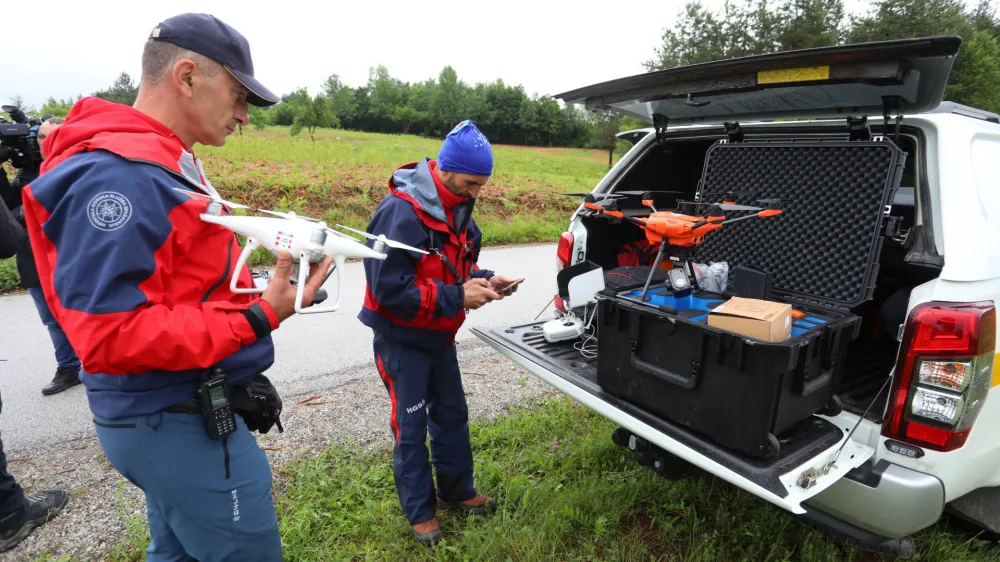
(309,239)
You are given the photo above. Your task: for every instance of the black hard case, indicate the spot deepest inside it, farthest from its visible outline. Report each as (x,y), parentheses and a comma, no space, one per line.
(822,254)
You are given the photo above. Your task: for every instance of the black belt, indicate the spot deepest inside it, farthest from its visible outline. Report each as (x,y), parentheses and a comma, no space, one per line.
(189,407)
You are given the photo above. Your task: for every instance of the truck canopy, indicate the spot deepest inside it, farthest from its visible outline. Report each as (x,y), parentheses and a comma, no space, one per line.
(884,78)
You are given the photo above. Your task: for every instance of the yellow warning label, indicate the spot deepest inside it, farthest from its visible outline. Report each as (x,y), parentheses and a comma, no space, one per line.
(806,74)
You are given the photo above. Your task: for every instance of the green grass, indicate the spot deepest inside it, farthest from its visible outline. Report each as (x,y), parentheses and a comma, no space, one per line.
(9,279)
(342,176)
(566,493)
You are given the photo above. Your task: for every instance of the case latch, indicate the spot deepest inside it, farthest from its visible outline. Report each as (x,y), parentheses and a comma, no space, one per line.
(858,128)
(660,124)
(733,131)
(892,226)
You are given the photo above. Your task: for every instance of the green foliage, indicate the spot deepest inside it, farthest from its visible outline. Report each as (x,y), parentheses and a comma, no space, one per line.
(506,114)
(315,113)
(9,279)
(751,27)
(124,90)
(58,108)
(976,78)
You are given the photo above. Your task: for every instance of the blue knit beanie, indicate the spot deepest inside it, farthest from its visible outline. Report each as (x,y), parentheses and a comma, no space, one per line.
(466,151)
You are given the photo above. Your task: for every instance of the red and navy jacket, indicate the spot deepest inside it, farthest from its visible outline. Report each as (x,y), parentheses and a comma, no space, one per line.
(418,299)
(139,283)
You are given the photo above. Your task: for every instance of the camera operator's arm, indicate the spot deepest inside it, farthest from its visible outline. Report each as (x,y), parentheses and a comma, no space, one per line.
(11,233)
(110,247)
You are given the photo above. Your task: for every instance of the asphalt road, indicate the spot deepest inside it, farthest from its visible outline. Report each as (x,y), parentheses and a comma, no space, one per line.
(313,352)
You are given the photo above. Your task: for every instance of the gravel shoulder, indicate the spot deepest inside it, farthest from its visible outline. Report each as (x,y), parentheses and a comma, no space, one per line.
(103,506)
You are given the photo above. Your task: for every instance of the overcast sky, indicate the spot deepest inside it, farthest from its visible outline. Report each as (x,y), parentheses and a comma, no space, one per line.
(71,47)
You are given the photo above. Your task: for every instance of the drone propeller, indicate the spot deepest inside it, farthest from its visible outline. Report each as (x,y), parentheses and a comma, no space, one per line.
(213,198)
(771,201)
(648,191)
(386,241)
(724,206)
(591,197)
(290,215)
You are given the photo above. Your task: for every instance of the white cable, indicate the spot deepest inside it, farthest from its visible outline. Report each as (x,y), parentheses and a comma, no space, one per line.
(587,346)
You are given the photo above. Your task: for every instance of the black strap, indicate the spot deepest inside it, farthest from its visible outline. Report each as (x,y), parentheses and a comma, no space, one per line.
(225,451)
(447,262)
(258,320)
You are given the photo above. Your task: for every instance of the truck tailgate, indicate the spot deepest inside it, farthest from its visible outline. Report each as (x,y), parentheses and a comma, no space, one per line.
(805,450)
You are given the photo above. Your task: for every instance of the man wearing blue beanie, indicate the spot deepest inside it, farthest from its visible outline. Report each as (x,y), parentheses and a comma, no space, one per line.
(415,304)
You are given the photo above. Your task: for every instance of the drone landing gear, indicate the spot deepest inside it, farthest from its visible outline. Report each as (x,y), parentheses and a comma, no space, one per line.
(338,265)
(252,244)
(682,280)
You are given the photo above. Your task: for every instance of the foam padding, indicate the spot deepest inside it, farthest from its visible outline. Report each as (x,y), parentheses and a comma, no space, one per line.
(825,244)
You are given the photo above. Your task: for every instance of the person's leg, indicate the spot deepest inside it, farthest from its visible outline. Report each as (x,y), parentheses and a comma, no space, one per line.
(67,363)
(164,544)
(207,516)
(13,502)
(405,372)
(19,514)
(448,424)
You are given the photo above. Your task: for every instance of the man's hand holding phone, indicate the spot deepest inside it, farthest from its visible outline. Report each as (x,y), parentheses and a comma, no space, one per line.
(505,286)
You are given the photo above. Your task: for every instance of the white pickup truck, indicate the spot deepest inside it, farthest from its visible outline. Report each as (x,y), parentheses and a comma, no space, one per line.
(910,443)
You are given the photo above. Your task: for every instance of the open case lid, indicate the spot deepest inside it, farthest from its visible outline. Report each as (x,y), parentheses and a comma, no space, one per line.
(825,247)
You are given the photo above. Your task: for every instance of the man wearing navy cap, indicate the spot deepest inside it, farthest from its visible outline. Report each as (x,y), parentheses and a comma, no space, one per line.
(415,304)
(140,284)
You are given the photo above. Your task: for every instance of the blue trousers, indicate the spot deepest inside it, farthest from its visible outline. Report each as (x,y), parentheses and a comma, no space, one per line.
(425,390)
(195,513)
(65,356)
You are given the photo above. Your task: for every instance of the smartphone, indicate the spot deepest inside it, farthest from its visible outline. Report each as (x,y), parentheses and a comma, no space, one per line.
(511,286)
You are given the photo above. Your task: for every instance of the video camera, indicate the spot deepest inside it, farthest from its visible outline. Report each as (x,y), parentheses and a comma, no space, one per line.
(18,142)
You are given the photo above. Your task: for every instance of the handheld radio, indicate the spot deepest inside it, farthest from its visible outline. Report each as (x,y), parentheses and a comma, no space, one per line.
(216,406)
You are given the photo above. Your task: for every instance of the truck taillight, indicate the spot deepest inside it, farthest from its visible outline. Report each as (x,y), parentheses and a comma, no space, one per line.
(943,374)
(564,254)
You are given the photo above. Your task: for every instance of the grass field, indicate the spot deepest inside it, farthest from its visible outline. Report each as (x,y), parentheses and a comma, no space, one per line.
(566,493)
(342,176)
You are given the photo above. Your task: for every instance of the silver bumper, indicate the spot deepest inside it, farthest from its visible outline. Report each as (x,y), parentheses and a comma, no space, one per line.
(900,503)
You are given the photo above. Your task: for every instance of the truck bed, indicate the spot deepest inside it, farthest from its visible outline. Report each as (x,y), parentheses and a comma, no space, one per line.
(808,439)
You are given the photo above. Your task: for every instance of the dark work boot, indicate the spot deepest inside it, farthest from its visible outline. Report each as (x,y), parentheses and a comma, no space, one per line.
(480,504)
(427,533)
(40,511)
(66,377)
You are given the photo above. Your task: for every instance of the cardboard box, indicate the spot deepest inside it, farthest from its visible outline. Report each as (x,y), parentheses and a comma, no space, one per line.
(759,319)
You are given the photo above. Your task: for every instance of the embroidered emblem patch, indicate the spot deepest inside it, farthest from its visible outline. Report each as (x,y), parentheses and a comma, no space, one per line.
(109,211)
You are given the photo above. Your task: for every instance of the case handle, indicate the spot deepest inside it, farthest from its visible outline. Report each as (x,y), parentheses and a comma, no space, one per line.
(816,384)
(665,375)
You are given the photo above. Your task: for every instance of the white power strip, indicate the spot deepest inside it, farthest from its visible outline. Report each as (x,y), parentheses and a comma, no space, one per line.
(562,329)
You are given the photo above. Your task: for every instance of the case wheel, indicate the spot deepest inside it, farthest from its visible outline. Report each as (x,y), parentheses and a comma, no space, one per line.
(834,408)
(620,437)
(772,448)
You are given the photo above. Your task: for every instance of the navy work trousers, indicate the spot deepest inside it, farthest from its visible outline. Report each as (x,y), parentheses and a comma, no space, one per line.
(425,390)
(195,513)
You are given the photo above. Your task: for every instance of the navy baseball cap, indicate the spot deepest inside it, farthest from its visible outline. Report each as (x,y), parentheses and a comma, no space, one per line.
(207,35)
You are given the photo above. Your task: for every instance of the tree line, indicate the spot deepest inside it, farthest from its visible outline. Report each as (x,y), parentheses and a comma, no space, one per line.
(509,115)
(754,27)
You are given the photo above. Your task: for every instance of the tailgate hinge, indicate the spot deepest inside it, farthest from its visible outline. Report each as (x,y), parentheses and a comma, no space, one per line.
(889,105)
(733,131)
(660,124)
(858,128)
